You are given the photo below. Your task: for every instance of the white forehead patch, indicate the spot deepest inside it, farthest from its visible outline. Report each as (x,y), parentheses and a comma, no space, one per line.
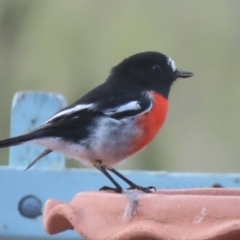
(171,63)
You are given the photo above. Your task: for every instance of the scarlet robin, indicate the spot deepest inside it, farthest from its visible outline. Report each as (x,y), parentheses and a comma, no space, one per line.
(114,120)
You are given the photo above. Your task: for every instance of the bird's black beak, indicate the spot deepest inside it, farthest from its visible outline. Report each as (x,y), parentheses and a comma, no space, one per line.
(182,74)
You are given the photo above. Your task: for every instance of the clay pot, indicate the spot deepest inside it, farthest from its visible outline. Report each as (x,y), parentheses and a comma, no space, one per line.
(195,214)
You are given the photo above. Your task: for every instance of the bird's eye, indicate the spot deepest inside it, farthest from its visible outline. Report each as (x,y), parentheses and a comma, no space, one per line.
(156,67)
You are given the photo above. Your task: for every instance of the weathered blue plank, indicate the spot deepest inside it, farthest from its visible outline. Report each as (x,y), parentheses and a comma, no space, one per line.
(64,184)
(30,110)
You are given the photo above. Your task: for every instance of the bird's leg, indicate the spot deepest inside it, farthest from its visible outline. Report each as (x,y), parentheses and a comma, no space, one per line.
(100,167)
(131,184)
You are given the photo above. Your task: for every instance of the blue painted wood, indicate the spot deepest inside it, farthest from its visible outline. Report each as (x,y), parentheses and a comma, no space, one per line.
(64,184)
(30,110)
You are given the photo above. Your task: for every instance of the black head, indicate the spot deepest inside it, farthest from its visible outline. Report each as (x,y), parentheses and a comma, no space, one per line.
(153,70)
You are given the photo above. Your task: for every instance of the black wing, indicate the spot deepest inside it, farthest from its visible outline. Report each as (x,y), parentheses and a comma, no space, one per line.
(105,100)
(75,121)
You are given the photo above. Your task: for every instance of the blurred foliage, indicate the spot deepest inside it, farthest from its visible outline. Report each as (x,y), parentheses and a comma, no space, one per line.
(70,46)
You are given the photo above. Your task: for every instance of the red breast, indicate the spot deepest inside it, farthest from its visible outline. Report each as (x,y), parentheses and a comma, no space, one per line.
(151,122)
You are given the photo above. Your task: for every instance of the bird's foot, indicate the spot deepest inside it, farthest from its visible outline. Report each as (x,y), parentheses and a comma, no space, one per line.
(143,189)
(106,188)
(149,189)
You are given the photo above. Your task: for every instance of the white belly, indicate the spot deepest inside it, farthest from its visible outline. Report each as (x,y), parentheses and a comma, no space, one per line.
(109,142)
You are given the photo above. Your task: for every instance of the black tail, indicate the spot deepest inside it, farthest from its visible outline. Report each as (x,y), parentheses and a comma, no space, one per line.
(17,140)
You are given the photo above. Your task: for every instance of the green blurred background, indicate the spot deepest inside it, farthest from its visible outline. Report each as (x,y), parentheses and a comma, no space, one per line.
(69,46)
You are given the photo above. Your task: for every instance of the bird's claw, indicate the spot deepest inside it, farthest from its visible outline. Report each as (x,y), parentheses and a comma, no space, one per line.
(106,188)
(120,190)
